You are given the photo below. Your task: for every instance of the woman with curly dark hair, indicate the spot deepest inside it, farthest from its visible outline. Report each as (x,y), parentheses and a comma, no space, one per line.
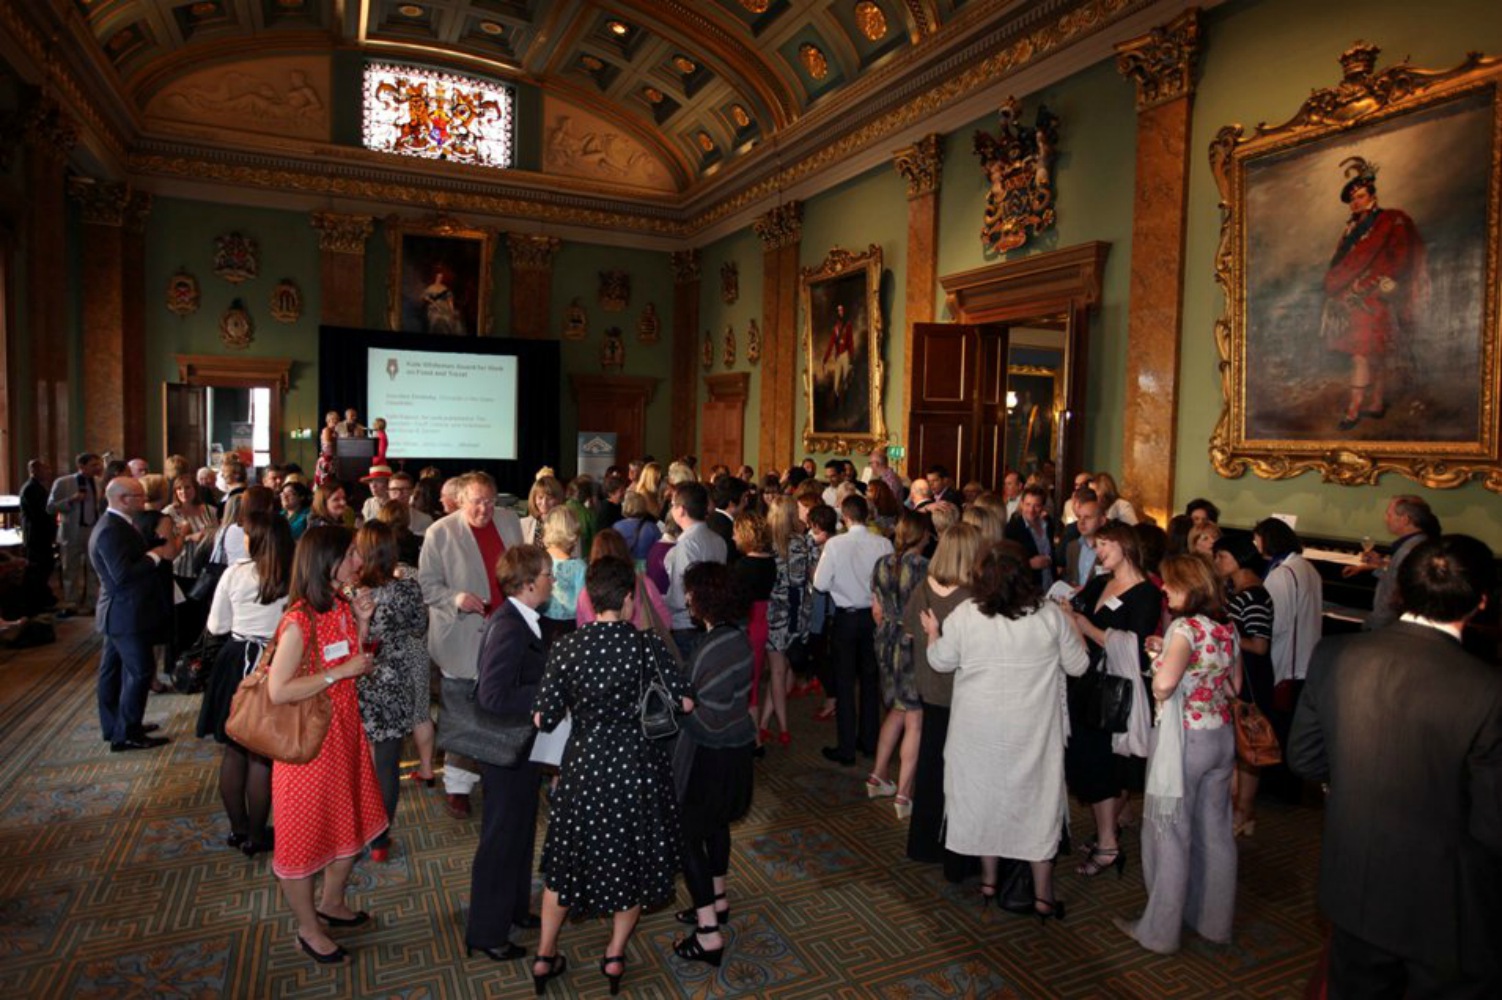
(1009,650)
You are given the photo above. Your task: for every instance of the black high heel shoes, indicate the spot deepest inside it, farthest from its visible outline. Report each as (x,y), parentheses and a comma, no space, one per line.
(556,964)
(692,949)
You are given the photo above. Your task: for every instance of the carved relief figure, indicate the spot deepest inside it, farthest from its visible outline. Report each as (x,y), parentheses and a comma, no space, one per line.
(590,149)
(242,95)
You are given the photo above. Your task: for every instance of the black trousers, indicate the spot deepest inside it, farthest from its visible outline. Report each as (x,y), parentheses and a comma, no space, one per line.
(706,854)
(854,640)
(925,832)
(1359,970)
(501,880)
(388,769)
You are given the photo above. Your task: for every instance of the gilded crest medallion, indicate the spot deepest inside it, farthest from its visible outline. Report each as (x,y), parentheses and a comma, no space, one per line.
(615,290)
(649,327)
(236,330)
(575,322)
(1018,164)
(235,258)
(613,349)
(729,346)
(707,354)
(730,282)
(286,302)
(753,343)
(182,294)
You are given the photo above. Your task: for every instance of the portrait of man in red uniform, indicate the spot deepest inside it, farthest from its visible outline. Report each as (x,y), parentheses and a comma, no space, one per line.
(1375,290)
(839,354)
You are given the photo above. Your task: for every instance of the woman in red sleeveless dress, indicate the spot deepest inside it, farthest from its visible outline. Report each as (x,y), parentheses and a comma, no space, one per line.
(329,809)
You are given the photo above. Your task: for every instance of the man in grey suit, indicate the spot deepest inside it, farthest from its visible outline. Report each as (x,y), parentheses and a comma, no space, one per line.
(1405,726)
(1079,553)
(460,588)
(75,502)
(1409,520)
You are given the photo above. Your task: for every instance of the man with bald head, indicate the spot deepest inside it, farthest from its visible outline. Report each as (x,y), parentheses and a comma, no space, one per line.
(134,603)
(919,494)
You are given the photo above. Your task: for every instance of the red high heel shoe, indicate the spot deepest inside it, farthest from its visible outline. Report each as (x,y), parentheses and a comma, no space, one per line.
(785,737)
(429,779)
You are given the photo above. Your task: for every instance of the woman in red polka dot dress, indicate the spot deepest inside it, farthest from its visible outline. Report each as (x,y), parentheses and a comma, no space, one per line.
(329,809)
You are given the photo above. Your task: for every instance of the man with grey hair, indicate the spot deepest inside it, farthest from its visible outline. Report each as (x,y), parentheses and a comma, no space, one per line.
(77,505)
(881,469)
(919,494)
(1409,520)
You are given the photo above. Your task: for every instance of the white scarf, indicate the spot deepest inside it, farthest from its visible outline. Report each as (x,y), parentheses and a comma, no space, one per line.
(1165,768)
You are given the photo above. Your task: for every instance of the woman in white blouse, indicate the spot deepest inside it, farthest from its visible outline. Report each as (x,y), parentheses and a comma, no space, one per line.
(248,603)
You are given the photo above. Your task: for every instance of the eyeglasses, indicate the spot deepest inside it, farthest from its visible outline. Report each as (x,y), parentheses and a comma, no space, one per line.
(480,503)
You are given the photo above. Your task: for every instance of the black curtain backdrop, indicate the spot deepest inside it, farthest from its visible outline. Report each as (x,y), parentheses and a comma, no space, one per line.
(341,384)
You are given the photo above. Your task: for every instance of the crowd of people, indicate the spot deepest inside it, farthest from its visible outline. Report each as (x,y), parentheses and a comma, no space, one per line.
(990,653)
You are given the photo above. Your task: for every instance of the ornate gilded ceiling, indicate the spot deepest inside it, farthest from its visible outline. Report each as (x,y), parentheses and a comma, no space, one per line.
(675,107)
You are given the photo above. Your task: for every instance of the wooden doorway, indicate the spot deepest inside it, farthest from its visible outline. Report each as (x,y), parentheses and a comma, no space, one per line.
(958,412)
(724,435)
(618,404)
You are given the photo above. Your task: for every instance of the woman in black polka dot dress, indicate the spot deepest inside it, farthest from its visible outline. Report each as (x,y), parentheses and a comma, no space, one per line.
(613,838)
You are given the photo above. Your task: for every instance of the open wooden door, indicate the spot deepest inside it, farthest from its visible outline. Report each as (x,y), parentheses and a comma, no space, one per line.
(958,411)
(185,422)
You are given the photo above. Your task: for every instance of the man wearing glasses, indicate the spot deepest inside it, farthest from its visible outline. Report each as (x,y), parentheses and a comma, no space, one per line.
(134,603)
(401,488)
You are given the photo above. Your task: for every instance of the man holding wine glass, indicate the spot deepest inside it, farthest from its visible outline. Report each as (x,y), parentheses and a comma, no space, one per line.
(1409,520)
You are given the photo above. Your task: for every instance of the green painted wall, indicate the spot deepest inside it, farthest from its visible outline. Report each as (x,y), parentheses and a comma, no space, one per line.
(1093,185)
(576,274)
(745,249)
(1262,61)
(181,233)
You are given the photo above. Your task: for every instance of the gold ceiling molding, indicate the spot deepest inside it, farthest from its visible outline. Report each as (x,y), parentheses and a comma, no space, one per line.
(339,233)
(1161,63)
(1025,51)
(685,266)
(319,181)
(531,251)
(921,165)
(58,78)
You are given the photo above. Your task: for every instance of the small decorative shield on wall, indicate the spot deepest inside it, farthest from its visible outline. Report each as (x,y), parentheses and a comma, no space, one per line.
(575,322)
(649,327)
(615,290)
(182,294)
(729,346)
(708,352)
(235,328)
(753,343)
(1018,164)
(730,282)
(613,350)
(235,258)
(286,302)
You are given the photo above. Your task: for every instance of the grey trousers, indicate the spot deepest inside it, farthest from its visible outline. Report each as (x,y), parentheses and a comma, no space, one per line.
(1190,867)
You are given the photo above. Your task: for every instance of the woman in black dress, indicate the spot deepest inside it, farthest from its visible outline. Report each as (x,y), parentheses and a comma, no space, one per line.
(712,762)
(613,842)
(1121,598)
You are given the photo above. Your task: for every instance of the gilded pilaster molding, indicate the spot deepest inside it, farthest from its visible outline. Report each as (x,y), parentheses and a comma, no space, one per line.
(532,252)
(343,233)
(921,165)
(1161,63)
(101,203)
(685,266)
(781,226)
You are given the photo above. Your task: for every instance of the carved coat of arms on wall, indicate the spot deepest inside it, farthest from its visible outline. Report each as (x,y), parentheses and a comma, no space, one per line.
(235,327)
(730,282)
(235,258)
(1018,164)
(729,346)
(286,302)
(182,294)
(753,343)
(575,322)
(615,290)
(613,349)
(707,355)
(649,327)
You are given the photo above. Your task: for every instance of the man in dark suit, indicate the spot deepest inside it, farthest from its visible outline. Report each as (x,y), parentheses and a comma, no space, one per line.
(1032,528)
(729,501)
(1405,727)
(38,538)
(512,660)
(1079,551)
(134,603)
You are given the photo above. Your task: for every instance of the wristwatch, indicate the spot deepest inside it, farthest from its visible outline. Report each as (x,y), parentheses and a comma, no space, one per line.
(329,679)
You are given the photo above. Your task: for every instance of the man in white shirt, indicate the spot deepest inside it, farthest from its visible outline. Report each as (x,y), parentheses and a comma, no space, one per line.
(379,481)
(696,543)
(834,474)
(844,572)
(1298,597)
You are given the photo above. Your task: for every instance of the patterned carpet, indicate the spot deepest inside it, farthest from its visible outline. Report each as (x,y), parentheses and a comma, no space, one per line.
(114,882)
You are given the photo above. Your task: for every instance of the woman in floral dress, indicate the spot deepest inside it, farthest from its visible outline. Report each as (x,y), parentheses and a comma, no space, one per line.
(394,697)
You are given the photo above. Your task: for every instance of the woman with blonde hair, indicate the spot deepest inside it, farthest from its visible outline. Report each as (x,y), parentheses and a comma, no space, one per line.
(787,611)
(991,524)
(638,525)
(946,587)
(893,583)
(560,537)
(545,494)
(681,472)
(1202,539)
(1113,506)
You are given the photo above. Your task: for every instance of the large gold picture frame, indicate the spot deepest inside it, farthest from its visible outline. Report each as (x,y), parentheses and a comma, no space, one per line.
(843,372)
(440,276)
(1359,260)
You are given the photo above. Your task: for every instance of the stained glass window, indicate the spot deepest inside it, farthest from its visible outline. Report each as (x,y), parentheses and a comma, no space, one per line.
(438,116)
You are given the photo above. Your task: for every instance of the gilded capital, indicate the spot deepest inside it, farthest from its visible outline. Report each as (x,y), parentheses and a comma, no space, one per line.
(44,126)
(101,203)
(1161,63)
(530,252)
(343,233)
(685,266)
(137,211)
(780,227)
(921,165)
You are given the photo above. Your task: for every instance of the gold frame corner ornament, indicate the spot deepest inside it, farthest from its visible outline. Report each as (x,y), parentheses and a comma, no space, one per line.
(1364,97)
(838,264)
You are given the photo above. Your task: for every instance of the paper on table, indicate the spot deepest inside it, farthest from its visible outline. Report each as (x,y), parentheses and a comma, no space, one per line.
(548,747)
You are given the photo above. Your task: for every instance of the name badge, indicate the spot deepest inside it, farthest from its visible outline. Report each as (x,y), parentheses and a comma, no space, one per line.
(336,651)
(1114,603)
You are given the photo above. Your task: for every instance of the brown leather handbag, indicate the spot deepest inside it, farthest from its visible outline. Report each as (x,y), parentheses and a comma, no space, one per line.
(1256,743)
(292,733)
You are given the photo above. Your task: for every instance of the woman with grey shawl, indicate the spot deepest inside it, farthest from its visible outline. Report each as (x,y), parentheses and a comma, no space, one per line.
(712,763)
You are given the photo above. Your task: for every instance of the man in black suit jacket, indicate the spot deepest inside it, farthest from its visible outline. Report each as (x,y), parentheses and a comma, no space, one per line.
(38,538)
(729,501)
(512,660)
(133,605)
(1406,729)
(1032,528)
